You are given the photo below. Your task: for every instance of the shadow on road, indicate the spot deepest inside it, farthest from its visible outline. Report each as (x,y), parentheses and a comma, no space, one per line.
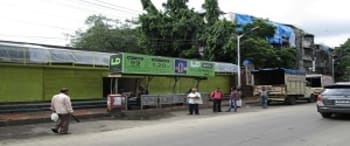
(299,102)
(340,117)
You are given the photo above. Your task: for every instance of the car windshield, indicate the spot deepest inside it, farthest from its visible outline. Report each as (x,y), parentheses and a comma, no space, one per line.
(337,92)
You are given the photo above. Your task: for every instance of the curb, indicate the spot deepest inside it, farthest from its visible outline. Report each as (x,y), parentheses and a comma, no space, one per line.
(4,123)
(145,114)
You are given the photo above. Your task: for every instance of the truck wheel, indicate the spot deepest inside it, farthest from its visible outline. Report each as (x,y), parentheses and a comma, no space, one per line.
(326,115)
(291,100)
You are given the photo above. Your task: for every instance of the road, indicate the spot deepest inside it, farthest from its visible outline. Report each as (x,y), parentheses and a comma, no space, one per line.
(298,125)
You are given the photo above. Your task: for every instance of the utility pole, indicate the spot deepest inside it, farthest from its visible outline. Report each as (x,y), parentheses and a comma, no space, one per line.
(239,55)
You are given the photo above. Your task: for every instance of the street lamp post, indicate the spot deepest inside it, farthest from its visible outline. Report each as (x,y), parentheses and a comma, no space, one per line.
(239,60)
(333,68)
(333,62)
(239,55)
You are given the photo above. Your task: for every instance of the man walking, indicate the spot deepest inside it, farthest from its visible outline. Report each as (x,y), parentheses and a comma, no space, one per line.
(234,97)
(217,96)
(61,104)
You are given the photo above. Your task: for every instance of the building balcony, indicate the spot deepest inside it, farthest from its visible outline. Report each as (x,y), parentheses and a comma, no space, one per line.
(307,58)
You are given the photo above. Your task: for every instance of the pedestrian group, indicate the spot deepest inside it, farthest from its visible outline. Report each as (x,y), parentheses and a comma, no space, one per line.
(62,107)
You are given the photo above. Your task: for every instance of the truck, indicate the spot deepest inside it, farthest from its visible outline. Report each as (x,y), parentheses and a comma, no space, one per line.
(317,82)
(283,85)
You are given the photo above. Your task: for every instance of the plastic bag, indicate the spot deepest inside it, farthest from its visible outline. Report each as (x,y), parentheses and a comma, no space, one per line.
(239,102)
(54,117)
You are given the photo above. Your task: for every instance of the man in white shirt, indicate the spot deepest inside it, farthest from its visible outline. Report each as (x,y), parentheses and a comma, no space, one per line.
(61,104)
(194,98)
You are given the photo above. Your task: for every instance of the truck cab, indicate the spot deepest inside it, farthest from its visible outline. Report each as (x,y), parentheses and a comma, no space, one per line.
(317,82)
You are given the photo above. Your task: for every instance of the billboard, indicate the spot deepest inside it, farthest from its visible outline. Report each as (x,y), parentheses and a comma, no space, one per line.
(128,63)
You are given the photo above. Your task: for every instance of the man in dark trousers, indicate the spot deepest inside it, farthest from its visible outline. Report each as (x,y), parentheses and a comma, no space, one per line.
(61,104)
(234,97)
(264,96)
(217,96)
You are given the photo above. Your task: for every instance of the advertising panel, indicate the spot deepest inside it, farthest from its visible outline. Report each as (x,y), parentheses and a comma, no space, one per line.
(128,63)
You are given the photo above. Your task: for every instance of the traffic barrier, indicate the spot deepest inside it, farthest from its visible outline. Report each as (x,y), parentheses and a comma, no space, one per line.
(149,100)
(160,100)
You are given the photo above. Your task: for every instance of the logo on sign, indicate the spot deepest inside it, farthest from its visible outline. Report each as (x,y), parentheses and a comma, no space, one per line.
(115,61)
(195,64)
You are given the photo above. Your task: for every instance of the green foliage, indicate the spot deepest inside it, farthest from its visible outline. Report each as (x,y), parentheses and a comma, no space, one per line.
(342,62)
(259,52)
(286,57)
(172,32)
(212,11)
(178,31)
(264,30)
(219,43)
(263,55)
(254,47)
(106,35)
(217,37)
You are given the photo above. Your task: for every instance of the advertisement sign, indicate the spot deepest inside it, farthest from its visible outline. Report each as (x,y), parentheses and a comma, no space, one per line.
(201,68)
(128,63)
(180,66)
(143,64)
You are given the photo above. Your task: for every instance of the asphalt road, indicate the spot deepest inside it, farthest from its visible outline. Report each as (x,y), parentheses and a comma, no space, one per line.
(298,125)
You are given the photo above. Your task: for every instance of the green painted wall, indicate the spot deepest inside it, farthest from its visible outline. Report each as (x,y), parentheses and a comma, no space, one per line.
(83,84)
(23,83)
(164,85)
(184,84)
(221,81)
(20,84)
(161,85)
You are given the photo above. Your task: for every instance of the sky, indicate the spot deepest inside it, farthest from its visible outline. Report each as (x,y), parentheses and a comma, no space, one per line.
(56,21)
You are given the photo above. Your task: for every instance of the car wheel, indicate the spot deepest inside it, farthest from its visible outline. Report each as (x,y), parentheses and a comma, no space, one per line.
(326,115)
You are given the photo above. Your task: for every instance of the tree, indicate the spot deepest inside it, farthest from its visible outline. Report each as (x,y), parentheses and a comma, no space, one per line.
(172,32)
(342,62)
(258,51)
(212,11)
(219,43)
(106,34)
(264,30)
(286,57)
(255,47)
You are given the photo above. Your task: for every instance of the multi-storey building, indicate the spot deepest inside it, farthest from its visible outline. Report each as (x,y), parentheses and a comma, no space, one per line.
(311,57)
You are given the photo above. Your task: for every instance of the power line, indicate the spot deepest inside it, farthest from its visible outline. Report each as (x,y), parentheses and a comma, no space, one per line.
(84,7)
(36,23)
(132,10)
(108,7)
(40,37)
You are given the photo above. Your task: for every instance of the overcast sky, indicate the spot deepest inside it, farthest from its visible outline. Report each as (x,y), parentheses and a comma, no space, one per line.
(52,21)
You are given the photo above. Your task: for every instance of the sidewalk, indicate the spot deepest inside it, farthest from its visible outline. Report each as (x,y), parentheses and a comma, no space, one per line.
(22,118)
(96,125)
(10,119)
